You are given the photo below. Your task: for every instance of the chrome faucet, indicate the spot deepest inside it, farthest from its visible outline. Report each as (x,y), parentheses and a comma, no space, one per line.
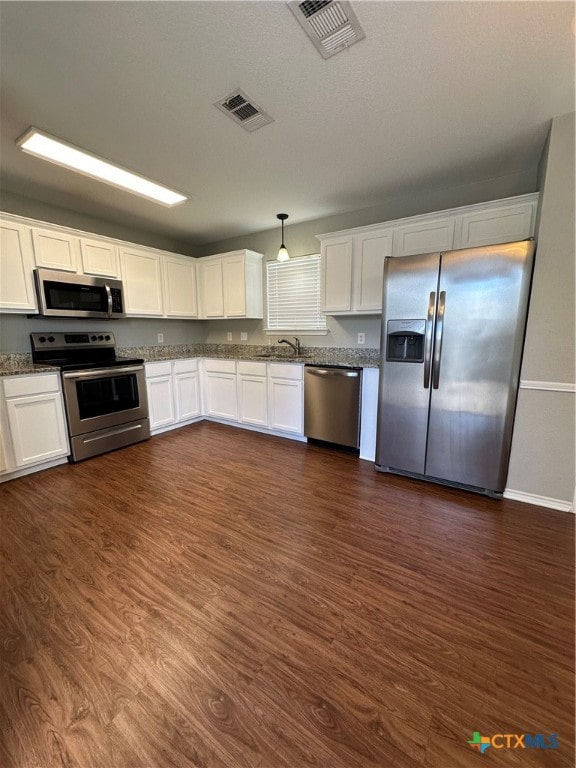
(295,347)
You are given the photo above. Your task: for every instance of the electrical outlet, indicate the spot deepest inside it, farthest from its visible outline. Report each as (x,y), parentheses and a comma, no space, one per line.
(361,338)
(160,338)
(229,336)
(243,336)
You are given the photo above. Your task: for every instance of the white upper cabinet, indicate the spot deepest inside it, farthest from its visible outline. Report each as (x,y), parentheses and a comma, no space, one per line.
(210,288)
(55,249)
(425,236)
(497,225)
(352,271)
(99,257)
(142,278)
(370,250)
(353,260)
(234,285)
(230,285)
(180,292)
(336,266)
(16,266)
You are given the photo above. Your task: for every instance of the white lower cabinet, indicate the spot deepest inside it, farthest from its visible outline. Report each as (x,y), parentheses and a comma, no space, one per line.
(32,423)
(252,393)
(286,397)
(173,393)
(186,389)
(266,396)
(220,392)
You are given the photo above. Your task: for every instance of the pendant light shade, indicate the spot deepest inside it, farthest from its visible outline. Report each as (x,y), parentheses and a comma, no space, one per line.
(283,254)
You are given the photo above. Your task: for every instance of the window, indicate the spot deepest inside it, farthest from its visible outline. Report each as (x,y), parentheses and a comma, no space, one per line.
(293,292)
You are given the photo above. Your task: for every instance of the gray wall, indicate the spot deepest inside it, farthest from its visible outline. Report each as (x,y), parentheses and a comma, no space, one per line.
(543,451)
(131,332)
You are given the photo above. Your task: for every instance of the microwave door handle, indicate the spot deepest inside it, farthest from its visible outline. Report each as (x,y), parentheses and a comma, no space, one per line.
(438,343)
(428,339)
(109,296)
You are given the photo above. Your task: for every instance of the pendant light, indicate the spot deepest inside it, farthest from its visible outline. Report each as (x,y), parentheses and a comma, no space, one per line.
(283,254)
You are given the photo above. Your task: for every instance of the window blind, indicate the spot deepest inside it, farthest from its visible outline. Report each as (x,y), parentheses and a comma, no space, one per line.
(293,292)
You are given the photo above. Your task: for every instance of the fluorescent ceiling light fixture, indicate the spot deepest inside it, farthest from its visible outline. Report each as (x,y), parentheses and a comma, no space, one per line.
(42,145)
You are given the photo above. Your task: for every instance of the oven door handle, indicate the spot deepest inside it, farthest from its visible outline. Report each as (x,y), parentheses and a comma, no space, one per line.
(98,373)
(109,297)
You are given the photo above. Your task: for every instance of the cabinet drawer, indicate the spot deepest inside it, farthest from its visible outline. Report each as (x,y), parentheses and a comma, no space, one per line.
(15,386)
(286,371)
(185,366)
(252,369)
(163,368)
(220,366)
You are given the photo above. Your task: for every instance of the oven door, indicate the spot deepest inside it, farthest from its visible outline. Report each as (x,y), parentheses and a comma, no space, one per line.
(104,397)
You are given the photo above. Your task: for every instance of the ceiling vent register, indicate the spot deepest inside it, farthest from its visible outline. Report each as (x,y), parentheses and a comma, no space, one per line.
(243,110)
(330,24)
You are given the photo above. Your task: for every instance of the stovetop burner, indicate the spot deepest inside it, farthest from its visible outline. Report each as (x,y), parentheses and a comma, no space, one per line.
(78,351)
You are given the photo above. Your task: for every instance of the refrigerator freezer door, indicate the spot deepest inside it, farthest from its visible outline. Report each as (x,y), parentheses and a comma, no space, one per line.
(410,290)
(471,412)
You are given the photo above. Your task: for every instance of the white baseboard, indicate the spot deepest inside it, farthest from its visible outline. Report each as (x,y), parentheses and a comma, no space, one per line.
(539,501)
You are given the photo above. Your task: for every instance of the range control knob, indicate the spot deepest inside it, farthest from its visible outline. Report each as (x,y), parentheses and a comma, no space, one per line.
(51,338)
(100,338)
(107,337)
(42,339)
(93,338)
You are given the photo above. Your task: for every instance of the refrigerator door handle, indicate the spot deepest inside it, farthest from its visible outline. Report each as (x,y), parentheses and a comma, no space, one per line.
(438,341)
(428,339)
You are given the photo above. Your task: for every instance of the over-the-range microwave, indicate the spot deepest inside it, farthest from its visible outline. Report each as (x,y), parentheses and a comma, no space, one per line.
(62,294)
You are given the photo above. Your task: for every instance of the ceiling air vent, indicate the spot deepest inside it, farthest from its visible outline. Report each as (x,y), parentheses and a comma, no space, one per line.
(330,24)
(242,109)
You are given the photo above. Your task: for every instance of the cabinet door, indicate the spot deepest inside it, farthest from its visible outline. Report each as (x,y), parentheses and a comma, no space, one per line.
(370,250)
(221,397)
(187,395)
(99,258)
(286,406)
(211,289)
(336,267)
(179,287)
(38,428)
(498,225)
(55,250)
(160,401)
(16,265)
(428,236)
(234,283)
(252,400)
(141,273)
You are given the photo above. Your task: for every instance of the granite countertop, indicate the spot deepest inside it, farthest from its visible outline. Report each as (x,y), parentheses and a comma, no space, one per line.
(20,363)
(345,356)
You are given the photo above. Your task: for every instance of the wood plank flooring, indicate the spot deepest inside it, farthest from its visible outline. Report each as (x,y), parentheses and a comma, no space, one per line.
(217,598)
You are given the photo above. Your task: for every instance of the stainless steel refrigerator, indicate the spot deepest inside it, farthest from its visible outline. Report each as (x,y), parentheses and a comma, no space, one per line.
(452,336)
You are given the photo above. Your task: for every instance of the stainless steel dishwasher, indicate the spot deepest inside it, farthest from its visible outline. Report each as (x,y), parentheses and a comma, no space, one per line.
(332,397)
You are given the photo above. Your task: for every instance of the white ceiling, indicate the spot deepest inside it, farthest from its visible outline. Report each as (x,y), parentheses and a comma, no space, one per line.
(438,94)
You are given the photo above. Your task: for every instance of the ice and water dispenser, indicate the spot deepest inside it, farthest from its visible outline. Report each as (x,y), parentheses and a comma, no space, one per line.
(405,341)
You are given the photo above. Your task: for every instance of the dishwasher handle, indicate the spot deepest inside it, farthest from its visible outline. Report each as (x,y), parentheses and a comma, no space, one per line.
(332,372)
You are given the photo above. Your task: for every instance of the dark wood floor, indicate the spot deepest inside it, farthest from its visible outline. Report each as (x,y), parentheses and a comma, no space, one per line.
(221,598)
